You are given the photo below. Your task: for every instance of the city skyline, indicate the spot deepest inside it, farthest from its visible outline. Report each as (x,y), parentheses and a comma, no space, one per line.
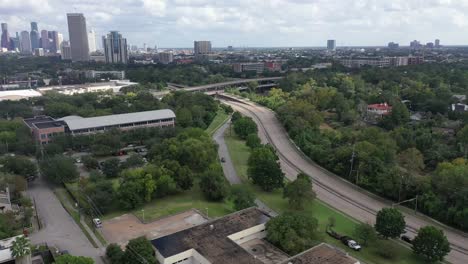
(280,23)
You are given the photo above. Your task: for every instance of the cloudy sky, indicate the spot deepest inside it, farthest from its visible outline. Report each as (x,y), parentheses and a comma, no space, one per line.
(253,23)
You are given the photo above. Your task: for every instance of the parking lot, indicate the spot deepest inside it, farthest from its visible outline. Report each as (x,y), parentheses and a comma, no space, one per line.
(125,227)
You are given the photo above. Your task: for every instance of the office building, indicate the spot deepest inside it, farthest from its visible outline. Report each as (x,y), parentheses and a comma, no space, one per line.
(166,57)
(39,52)
(92,41)
(44,128)
(78,36)
(92,74)
(393,45)
(44,39)
(202,49)
(430,45)
(25,43)
(5,38)
(331,45)
(34,36)
(54,42)
(60,40)
(15,42)
(115,48)
(257,67)
(415,44)
(437,43)
(65,50)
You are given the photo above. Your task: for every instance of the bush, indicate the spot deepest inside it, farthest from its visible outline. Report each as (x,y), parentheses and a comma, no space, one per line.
(245,126)
(253,141)
(89,162)
(212,183)
(387,250)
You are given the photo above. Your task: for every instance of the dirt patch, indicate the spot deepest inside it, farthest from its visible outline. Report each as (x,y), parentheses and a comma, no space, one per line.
(125,227)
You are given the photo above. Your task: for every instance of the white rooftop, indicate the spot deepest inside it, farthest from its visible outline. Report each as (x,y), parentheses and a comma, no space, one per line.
(18,94)
(112,120)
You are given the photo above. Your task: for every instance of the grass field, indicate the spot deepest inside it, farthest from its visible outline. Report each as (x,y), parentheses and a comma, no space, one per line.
(239,153)
(219,119)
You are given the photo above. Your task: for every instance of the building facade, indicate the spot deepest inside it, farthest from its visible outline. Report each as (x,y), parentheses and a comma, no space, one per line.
(92,41)
(78,36)
(34,36)
(65,50)
(257,67)
(54,42)
(202,49)
(166,57)
(25,43)
(331,45)
(44,39)
(115,48)
(5,38)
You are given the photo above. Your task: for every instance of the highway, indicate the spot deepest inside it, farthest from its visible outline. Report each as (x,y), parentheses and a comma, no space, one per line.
(333,190)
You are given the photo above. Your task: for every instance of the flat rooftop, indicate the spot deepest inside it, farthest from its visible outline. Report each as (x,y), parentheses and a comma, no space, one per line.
(113,120)
(211,239)
(322,254)
(37,119)
(49,124)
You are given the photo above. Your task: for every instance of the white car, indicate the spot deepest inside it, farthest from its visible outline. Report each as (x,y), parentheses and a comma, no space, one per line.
(97,222)
(354,245)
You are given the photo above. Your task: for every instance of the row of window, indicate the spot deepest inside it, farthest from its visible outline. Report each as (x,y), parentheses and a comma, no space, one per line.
(50,135)
(123,125)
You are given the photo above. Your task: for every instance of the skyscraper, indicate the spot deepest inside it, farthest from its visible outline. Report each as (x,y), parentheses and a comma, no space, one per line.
(5,40)
(115,48)
(34,36)
(65,50)
(60,39)
(437,43)
(78,36)
(202,49)
(25,43)
(44,39)
(92,41)
(331,45)
(54,43)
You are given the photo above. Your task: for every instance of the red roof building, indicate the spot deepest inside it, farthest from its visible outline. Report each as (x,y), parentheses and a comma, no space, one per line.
(379,109)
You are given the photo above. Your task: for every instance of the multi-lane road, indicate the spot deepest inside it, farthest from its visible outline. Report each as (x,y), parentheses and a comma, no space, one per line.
(332,189)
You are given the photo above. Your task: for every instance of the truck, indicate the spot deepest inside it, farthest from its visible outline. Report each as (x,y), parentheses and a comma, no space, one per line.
(346,240)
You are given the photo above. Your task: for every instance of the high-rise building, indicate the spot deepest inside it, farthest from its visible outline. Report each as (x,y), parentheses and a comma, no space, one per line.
(65,50)
(92,41)
(39,52)
(44,39)
(25,43)
(202,49)
(5,39)
(60,39)
(54,42)
(115,48)
(166,57)
(437,43)
(415,44)
(393,45)
(15,42)
(331,44)
(34,36)
(78,36)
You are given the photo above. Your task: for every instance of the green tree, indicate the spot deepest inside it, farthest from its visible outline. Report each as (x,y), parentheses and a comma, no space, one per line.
(299,191)
(139,250)
(212,183)
(365,233)
(111,167)
(133,161)
(253,141)
(89,162)
(19,165)
(69,259)
(182,175)
(114,253)
(20,248)
(462,137)
(431,244)
(292,232)
(411,159)
(184,117)
(264,169)
(242,197)
(59,169)
(235,116)
(390,223)
(244,126)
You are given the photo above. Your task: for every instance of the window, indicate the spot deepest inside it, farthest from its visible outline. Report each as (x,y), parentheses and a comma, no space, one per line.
(43,136)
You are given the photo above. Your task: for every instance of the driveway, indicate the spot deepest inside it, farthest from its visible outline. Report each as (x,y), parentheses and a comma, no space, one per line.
(58,228)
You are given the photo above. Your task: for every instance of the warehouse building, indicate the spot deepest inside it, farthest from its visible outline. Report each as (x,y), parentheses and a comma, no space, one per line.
(44,128)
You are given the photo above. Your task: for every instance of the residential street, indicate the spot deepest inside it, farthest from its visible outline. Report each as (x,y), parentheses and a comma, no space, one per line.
(58,227)
(223,152)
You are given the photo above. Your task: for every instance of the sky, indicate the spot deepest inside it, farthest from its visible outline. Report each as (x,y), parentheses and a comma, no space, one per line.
(252,23)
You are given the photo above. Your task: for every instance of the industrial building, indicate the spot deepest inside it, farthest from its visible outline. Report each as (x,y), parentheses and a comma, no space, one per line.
(44,128)
(237,238)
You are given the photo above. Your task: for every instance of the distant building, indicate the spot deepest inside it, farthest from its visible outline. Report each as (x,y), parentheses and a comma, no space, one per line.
(54,43)
(39,52)
(381,62)
(415,60)
(78,36)
(258,67)
(273,66)
(44,39)
(92,41)
(331,45)
(5,37)
(25,43)
(60,40)
(459,107)
(230,48)
(166,57)
(393,45)
(202,49)
(379,109)
(45,128)
(34,36)
(120,75)
(415,44)
(437,43)
(16,95)
(115,48)
(65,50)
(430,45)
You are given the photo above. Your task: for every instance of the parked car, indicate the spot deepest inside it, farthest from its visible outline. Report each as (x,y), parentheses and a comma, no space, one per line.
(97,222)
(223,159)
(407,239)
(351,243)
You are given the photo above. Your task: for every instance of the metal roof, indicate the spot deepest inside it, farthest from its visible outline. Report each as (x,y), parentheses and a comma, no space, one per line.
(113,120)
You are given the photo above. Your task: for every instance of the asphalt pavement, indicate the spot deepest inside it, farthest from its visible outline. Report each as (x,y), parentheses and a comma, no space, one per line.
(228,167)
(335,191)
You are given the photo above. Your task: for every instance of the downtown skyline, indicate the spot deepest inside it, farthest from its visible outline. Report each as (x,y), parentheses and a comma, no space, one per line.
(279,23)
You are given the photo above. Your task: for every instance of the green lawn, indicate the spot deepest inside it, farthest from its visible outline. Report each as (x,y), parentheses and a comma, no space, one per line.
(239,153)
(219,119)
